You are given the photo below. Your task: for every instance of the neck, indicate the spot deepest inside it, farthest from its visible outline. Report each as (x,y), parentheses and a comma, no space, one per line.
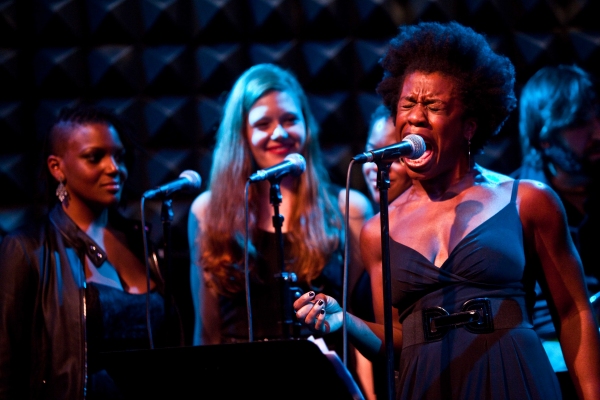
(86,218)
(287,189)
(287,186)
(451,184)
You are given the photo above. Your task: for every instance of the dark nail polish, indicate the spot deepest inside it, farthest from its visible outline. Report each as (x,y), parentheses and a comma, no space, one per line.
(311,294)
(320,302)
(322,311)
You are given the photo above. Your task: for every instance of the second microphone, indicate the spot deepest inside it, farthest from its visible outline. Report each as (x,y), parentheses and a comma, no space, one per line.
(293,164)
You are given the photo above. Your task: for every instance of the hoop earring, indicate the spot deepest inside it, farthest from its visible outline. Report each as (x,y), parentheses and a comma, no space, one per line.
(61,192)
(469,149)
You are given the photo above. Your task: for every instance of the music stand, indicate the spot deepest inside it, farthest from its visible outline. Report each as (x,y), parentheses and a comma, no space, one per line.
(285,369)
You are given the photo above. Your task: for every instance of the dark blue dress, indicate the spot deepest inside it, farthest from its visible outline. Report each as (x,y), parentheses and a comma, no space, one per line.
(498,357)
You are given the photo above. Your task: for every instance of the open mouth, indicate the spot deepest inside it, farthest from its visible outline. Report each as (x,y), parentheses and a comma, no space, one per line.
(418,162)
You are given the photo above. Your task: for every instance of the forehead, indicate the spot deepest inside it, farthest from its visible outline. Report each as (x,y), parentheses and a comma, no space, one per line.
(383,129)
(276,100)
(429,85)
(101,135)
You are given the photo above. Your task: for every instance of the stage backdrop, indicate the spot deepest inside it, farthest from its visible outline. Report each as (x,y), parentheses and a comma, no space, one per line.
(166,65)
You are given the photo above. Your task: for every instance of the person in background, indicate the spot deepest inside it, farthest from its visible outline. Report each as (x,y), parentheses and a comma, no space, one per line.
(74,284)
(559,126)
(266,118)
(466,244)
(381,133)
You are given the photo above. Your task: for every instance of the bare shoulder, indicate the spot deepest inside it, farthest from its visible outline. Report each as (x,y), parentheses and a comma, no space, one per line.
(531,191)
(359,206)
(372,227)
(200,204)
(537,200)
(370,238)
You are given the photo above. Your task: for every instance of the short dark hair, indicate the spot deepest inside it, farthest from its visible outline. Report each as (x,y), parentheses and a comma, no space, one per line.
(83,114)
(485,79)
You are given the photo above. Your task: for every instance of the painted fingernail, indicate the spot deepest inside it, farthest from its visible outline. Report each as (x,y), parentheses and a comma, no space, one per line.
(320,302)
(322,311)
(311,294)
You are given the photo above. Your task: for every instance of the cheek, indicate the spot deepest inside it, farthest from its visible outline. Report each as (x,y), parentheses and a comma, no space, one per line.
(369,168)
(397,169)
(73,171)
(256,138)
(297,131)
(576,143)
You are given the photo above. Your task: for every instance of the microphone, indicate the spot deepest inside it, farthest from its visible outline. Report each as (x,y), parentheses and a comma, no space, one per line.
(412,146)
(188,180)
(293,164)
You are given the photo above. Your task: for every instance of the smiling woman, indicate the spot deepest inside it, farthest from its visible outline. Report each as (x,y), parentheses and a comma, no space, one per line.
(266,118)
(74,284)
(275,128)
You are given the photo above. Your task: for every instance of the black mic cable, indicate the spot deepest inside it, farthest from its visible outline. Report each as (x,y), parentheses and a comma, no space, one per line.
(246,267)
(345,275)
(146,258)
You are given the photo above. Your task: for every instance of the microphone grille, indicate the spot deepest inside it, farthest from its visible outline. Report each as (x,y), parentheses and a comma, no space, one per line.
(298,161)
(418,145)
(193,177)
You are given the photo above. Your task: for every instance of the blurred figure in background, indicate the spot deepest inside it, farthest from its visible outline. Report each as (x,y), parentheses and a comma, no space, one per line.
(382,133)
(74,284)
(266,118)
(559,126)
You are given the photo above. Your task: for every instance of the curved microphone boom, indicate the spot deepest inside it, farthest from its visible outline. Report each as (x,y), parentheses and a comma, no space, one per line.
(293,164)
(188,180)
(412,146)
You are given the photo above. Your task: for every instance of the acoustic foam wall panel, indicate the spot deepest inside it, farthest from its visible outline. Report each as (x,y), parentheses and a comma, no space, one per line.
(167,66)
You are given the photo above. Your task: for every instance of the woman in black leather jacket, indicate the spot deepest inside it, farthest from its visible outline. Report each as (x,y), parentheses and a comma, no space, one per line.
(74,284)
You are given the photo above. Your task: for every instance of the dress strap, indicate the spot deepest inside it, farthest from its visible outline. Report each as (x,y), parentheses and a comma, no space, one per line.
(515,189)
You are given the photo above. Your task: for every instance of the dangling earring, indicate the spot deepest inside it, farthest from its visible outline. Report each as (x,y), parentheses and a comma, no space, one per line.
(61,192)
(469,144)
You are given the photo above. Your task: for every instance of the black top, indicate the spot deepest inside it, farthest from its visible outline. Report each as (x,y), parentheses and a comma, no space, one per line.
(265,293)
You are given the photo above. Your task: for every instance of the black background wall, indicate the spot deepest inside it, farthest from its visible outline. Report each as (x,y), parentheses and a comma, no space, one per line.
(166,66)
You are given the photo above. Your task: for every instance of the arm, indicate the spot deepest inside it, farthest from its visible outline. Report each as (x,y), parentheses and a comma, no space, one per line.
(370,241)
(204,301)
(550,246)
(359,211)
(323,313)
(367,337)
(16,313)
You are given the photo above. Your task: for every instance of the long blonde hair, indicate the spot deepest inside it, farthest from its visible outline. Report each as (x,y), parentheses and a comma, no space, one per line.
(315,226)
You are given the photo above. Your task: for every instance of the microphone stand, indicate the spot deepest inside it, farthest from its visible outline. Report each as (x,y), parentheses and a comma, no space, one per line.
(383,184)
(283,276)
(166,217)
